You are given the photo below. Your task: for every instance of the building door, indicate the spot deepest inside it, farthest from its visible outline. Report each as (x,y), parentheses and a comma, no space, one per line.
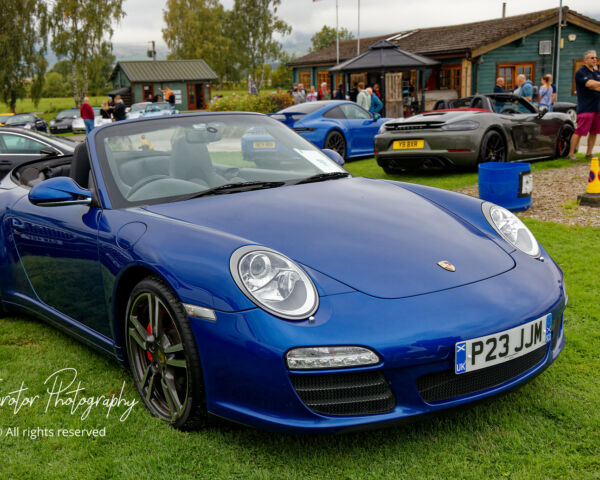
(393,95)
(148,93)
(192,97)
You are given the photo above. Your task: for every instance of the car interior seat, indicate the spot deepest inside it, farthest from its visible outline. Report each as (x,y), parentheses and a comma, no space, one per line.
(191,159)
(80,165)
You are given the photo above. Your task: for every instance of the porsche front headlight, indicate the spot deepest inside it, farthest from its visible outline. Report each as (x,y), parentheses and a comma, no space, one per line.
(274,282)
(511,228)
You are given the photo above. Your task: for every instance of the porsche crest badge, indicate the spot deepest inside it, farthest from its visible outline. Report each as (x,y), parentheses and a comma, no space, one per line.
(446,265)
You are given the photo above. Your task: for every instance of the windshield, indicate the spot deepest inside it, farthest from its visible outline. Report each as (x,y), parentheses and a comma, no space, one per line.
(67,114)
(4,117)
(156,107)
(18,119)
(171,158)
(138,107)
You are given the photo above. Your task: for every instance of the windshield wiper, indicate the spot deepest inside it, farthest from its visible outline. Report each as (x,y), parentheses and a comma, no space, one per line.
(235,188)
(319,177)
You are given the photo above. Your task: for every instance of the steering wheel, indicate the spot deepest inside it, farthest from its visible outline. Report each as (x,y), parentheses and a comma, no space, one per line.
(510,109)
(143,182)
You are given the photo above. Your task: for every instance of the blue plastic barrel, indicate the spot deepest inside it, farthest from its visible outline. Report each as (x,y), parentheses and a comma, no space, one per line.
(507,184)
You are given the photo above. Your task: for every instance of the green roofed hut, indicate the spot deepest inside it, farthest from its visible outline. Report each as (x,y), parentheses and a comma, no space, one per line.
(140,81)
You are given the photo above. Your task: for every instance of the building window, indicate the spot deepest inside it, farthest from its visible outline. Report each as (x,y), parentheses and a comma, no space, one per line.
(509,72)
(304,78)
(450,78)
(323,76)
(577,64)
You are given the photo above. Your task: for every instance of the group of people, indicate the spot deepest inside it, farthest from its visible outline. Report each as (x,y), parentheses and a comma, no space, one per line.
(301,95)
(113,108)
(545,96)
(368,98)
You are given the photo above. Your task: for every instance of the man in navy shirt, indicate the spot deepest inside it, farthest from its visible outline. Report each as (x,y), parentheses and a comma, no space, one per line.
(587,83)
(499,88)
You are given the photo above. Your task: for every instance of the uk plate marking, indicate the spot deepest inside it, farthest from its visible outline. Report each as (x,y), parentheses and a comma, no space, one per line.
(500,347)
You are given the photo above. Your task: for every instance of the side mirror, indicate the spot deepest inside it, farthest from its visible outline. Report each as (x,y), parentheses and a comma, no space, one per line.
(48,151)
(376,116)
(542,111)
(335,156)
(59,191)
(128,109)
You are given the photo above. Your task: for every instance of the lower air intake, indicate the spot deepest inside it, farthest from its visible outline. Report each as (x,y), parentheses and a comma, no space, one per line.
(364,393)
(444,386)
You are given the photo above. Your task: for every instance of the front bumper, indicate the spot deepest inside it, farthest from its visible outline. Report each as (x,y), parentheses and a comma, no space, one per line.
(441,148)
(247,380)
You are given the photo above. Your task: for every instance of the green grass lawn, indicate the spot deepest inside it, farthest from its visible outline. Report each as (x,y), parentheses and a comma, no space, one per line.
(549,428)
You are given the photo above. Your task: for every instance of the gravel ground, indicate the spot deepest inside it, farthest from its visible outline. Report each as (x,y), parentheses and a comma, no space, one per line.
(555,196)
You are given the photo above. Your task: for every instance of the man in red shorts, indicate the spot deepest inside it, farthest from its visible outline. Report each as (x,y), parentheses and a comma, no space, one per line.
(587,83)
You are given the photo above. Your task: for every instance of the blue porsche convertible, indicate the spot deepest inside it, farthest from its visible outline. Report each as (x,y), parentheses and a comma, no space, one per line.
(338,125)
(293,297)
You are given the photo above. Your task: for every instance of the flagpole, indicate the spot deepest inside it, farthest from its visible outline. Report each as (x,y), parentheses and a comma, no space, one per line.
(337,34)
(558,47)
(358,36)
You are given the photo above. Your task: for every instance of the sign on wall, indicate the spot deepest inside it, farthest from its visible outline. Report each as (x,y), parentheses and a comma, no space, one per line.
(177,94)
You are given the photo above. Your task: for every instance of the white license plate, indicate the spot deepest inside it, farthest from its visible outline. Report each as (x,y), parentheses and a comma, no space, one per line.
(500,347)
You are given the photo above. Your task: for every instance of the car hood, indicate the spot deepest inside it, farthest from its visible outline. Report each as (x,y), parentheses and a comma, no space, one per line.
(373,236)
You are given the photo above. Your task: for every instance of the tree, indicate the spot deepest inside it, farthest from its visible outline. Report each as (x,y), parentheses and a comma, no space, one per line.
(79,29)
(196,29)
(23,38)
(252,25)
(326,36)
(282,76)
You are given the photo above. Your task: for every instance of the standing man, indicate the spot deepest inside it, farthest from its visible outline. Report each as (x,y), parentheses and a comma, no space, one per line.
(87,114)
(499,88)
(168,95)
(524,87)
(119,112)
(363,98)
(587,83)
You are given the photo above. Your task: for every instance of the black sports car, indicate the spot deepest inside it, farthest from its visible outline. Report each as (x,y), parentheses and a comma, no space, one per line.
(464,132)
(18,145)
(63,121)
(29,121)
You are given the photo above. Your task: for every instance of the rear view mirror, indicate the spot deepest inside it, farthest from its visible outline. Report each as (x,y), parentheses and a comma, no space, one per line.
(335,156)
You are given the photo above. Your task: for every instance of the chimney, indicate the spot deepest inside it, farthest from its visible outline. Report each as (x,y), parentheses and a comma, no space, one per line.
(503,9)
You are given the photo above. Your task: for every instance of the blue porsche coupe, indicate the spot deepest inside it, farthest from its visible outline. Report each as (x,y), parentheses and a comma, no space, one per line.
(293,297)
(338,125)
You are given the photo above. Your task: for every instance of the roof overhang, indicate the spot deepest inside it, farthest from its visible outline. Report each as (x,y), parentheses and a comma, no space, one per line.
(569,18)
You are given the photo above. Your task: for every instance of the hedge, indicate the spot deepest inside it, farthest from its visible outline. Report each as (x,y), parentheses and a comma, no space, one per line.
(261,103)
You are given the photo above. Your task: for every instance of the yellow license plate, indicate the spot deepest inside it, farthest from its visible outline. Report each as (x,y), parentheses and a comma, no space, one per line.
(264,144)
(408,144)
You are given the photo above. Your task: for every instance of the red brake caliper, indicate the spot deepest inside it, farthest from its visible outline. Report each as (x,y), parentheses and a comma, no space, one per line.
(150,332)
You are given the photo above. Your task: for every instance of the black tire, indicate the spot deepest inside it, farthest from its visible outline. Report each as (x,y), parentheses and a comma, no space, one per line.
(493,148)
(163,357)
(563,141)
(336,141)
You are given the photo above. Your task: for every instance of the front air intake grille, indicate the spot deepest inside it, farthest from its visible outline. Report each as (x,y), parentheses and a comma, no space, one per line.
(363,393)
(444,386)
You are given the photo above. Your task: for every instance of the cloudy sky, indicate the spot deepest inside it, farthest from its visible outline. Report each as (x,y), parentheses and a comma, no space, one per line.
(144,20)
